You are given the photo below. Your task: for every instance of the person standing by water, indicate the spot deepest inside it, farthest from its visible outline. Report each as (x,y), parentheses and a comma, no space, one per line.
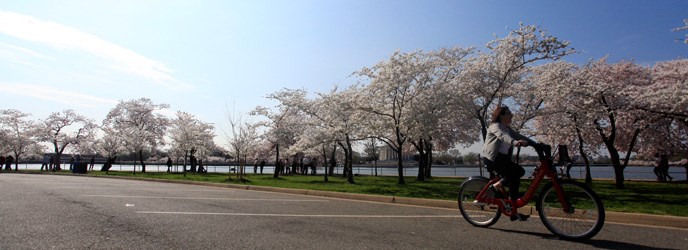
(55,161)
(664,167)
(91,163)
(169,164)
(71,163)
(45,163)
(658,168)
(8,163)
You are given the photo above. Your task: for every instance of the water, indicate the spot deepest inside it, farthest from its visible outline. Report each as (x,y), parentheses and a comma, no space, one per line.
(578,172)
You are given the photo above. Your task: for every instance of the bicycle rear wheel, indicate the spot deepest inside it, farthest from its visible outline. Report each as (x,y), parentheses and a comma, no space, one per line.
(585,218)
(477,213)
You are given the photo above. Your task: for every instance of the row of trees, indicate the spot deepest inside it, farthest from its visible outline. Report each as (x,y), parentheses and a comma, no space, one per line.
(433,101)
(134,126)
(425,101)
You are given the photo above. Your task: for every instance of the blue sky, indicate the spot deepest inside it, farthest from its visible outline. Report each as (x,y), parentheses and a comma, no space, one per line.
(205,57)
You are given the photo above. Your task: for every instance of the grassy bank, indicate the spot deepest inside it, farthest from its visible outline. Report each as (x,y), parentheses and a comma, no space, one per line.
(637,197)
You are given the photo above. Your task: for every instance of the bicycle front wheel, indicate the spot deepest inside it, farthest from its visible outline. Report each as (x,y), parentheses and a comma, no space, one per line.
(583,220)
(477,213)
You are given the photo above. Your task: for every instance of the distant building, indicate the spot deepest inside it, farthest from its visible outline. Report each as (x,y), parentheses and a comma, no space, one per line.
(388,154)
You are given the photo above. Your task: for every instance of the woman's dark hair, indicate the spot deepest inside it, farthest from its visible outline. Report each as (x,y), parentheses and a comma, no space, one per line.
(501,110)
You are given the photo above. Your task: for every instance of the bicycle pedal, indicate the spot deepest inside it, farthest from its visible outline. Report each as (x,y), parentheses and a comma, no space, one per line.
(477,203)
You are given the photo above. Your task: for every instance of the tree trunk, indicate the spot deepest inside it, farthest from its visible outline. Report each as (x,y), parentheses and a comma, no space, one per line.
(428,167)
(186,155)
(345,171)
(333,160)
(349,162)
(58,156)
(277,163)
(143,165)
(421,160)
(618,168)
(16,162)
(399,151)
(588,176)
(324,151)
(347,154)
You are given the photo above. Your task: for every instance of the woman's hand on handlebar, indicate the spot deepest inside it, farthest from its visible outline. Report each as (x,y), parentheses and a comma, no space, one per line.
(521,143)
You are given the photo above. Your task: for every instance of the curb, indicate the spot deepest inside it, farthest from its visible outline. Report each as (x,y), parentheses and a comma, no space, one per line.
(665,221)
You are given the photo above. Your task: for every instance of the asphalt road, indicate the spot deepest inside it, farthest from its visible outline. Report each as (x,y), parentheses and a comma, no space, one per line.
(73,212)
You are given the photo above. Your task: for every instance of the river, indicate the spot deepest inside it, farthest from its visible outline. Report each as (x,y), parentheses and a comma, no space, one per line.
(578,172)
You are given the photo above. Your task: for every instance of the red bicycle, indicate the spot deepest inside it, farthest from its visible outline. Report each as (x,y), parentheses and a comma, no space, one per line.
(569,209)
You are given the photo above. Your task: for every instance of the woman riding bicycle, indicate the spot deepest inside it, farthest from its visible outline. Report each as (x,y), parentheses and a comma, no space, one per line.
(498,143)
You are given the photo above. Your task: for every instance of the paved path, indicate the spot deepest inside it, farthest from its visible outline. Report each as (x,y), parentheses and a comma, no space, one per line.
(72,212)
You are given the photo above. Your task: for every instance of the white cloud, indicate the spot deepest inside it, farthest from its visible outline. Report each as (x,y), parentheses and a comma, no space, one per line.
(26,51)
(56,95)
(67,38)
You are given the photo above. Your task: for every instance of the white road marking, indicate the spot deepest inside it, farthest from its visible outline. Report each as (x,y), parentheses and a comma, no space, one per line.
(199,198)
(143,189)
(304,215)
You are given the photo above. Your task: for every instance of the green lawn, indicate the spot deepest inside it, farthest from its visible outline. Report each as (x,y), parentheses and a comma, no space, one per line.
(637,197)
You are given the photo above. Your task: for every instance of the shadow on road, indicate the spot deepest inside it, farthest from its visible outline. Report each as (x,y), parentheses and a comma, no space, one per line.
(605,244)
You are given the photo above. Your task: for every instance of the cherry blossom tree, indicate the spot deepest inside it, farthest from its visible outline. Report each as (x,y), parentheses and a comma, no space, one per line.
(394,84)
(666,97)
(318,137)
(138,125)
(432,114)
(616,121)
(263,151)
(19,134)
(110,145)
(488,77)
(188,133)
(561,121)
(338,117)
(65,128)
(589,102)
(282,124)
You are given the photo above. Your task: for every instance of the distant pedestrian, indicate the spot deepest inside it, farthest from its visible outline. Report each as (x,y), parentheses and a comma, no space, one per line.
(8,162)
(201,170)
(255,166)
(51,163)
(2,161)
(71,163)
(664,159)
(262,164)
(658,168)
(46,162)
(169,164)
(565,160)
(91,163)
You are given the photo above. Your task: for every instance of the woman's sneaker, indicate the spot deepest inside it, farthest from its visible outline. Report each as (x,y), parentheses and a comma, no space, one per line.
(520,217)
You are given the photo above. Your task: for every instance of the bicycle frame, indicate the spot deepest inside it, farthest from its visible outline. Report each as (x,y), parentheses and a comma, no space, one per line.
(545,169)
